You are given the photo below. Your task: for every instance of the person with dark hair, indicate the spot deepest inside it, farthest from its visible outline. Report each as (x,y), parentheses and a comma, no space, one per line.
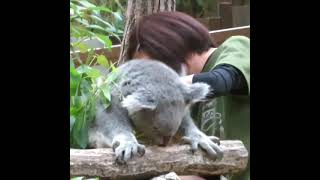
(185,45)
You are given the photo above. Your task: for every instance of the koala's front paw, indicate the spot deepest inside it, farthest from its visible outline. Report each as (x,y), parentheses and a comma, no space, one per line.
(126,149)
(208,143)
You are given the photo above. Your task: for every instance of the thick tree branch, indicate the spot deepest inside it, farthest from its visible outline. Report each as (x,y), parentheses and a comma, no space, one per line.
(157,161)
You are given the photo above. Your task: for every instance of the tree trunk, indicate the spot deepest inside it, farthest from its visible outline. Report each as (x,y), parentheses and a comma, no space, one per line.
(136,9)
(158,161)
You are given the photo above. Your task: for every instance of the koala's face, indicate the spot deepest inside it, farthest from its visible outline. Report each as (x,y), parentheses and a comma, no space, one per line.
(162,123)
(159,118)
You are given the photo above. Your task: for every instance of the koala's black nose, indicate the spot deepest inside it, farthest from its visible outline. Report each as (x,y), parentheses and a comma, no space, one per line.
(165,140)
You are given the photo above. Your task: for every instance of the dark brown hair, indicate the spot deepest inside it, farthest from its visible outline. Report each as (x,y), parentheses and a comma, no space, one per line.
(169,37)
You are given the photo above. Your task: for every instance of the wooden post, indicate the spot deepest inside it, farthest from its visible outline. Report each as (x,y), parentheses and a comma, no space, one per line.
(226,14)
(241,15)
(136,9)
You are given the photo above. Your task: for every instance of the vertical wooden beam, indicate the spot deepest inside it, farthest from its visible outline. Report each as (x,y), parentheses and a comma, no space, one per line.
(226,14)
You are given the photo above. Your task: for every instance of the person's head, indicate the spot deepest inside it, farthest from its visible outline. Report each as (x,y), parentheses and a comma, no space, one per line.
(174,38)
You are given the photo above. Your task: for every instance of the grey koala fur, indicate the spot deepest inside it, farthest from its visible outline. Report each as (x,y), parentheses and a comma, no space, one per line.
(149,98)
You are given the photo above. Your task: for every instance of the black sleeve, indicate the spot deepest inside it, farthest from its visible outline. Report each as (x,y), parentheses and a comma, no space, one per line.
(224,79)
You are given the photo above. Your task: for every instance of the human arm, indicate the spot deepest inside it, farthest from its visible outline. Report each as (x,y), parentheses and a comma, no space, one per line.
(223,79)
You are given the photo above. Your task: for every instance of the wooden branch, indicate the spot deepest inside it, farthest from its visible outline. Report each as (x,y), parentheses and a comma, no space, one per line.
(157,161)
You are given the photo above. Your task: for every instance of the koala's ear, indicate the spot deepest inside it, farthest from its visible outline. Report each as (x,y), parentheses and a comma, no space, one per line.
(195,92)
(134,103)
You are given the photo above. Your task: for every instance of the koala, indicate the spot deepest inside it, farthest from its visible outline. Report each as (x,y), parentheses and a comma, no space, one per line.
(150,98)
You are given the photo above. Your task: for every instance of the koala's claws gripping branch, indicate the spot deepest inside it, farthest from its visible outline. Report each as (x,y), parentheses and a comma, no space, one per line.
(159,160)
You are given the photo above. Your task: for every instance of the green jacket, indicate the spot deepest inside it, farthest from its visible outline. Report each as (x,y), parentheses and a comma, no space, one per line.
(228,117)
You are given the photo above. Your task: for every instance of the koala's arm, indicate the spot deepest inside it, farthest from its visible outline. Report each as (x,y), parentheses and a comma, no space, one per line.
(114,129)
(193,136)
(112,123)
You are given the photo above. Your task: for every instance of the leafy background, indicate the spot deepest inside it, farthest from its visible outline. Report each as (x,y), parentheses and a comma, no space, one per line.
(87,82)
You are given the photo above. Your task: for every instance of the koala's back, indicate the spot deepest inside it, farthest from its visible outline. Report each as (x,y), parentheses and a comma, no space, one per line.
(157,68)
(150,76)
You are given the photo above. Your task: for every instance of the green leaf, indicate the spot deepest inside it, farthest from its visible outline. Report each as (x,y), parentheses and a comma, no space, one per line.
(82,47)
(100,80)
(106,103)
(91,72)
(77,105)
(82,69)
(79,32)
(99,8)
(105,40)
(91,110)
(95,27)
(117,15)
(82,21)
(116,36)
(74,32)
(111,29)
(85,86)
(86,4)
(80,131)
(119,5)
(84,116)
(112,77)
(102,21)
(75,79)
(72,120)
(90,57)
(106,92)
(73,7)
(114,69)
(120,31)
(71,12)
(102,60)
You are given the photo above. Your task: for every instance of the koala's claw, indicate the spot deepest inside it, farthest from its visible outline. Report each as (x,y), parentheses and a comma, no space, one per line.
(125,151)
(188,140)
(141,149)
(208,143)
(215,139)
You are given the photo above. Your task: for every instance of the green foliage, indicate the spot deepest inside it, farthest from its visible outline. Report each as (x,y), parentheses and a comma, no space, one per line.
(87,82)
(118,7)
(198,8)
(88,21)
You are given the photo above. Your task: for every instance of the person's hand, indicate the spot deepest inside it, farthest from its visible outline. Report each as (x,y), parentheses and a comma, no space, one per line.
(187,79)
